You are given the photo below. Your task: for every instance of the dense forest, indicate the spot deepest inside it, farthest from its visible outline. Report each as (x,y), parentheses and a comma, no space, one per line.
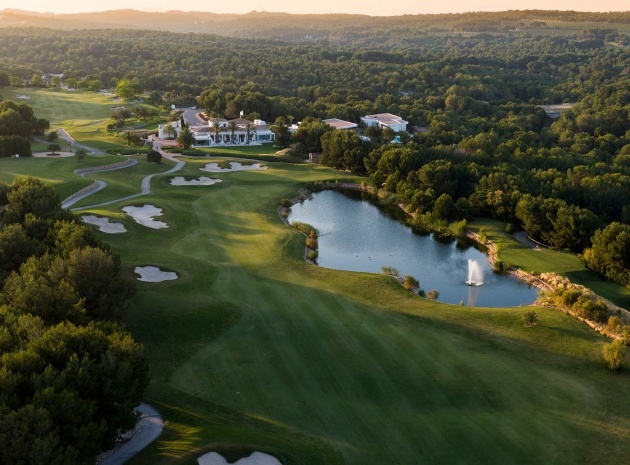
(479,144)
(70,373)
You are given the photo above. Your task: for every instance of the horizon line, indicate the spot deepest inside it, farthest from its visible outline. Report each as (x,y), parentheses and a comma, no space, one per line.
(52,13)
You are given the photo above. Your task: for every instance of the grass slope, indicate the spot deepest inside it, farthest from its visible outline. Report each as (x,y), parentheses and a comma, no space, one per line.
(56,171)
(550,261)
(83,114)
(253,349)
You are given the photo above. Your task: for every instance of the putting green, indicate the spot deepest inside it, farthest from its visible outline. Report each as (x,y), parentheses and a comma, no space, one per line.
(254,349)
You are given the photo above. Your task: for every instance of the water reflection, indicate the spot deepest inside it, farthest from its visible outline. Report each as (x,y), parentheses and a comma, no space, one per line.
(356,235)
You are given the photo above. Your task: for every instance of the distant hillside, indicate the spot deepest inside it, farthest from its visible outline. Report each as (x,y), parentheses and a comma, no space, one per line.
(335,28)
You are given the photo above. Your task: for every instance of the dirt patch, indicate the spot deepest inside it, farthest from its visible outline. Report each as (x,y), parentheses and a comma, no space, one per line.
(257,458)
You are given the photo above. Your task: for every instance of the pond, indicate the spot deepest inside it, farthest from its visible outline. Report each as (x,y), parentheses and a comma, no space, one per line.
(356,235)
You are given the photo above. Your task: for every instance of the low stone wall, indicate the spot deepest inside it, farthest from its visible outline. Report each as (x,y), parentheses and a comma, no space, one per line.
(92,169)
(95,184)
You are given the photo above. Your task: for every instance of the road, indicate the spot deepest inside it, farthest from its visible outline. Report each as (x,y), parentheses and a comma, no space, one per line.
(64,135)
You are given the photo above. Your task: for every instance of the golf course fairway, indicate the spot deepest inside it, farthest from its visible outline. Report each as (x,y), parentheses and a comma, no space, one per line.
(253,349)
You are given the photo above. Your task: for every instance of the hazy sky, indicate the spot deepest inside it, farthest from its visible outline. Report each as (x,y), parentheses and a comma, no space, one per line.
(370,7)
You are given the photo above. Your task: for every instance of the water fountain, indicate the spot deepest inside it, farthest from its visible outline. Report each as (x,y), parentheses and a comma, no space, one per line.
(475,274)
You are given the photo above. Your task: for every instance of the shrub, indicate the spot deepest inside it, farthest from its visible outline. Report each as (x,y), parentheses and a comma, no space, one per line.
(433,294)
(529,318)
(614,324)
(613,354)
(311,240)
(14,145)
(303,227)
(483,238)
(410,283)
(390,270)
(286,203)
(154,157)
(499,267)
(312,255)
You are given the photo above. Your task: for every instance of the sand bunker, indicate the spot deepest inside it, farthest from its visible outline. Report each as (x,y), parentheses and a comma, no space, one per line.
(202,181)
(104,225)
(50,155)
(144,216)
(257,458)
(234,166)
(152,274)
(24,97)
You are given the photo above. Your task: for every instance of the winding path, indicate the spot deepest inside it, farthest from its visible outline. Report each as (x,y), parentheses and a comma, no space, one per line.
(148,429)
(145,184)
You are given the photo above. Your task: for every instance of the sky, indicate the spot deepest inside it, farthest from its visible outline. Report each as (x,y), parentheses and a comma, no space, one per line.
(369,7)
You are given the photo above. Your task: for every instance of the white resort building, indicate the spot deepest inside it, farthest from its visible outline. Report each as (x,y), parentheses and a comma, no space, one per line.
(386,120)
(221,132)
(340,124)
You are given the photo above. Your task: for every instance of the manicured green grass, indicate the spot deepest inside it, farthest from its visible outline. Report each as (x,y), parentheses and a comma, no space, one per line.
(56,171)
(544,260)
(254,349)
(265,149)
(83,114)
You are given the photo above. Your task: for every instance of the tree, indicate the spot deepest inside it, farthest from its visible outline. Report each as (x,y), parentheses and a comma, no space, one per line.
(614,353)
(216,127)
(186,138)
(52,136)
(344,150)
(31,196)
(121,115)
(433,294)
(4,79)
(444,207)
(249,129)
(169,131)
(154,156)
(610,253)
(410,283)
(309,134)
(281,129)
(127,89)
(53,148)
(141,112)
(129,137)
(80,154)
(95,275)
(529,318)
(233,127)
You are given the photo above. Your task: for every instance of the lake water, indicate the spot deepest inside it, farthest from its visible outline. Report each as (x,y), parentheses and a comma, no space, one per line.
(357,236)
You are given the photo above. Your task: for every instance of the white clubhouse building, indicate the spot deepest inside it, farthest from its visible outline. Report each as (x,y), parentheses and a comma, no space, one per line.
(221,132)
